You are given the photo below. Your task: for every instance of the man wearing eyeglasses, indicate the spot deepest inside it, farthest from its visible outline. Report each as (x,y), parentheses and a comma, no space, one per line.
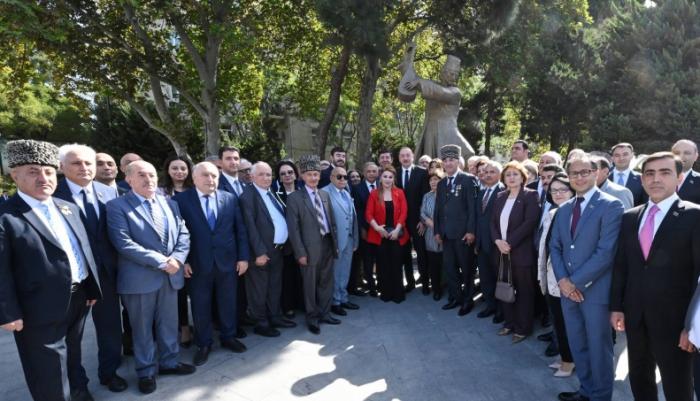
(582,249)
(348,237)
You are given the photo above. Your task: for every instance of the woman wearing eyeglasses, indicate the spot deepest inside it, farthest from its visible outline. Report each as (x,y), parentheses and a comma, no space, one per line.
(558,193)
(386,213)
(516,212)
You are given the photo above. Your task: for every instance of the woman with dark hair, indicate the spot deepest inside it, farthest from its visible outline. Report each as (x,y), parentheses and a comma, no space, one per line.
(434,164)
(432,247)
(559,191)
(286,182)
(386,213)
(177,177)
(516,212)
(354,177)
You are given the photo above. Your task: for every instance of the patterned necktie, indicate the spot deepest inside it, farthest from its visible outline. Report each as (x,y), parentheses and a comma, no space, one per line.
(211,217)
(90,215)
(158,219)
(275,203)
(620,180)
(576,215)
(485,201)
(74,244)
(319,213)
(646,236)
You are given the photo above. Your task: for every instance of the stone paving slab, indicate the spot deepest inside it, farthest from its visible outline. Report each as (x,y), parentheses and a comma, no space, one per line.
(411,352)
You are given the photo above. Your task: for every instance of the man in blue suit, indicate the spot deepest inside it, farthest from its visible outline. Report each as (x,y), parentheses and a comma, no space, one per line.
(348,239)
(623,175)
(582,249)
(78,187)
(153,242)
(218,255)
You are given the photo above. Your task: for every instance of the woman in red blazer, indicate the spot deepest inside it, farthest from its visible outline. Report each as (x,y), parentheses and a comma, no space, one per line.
(386,213)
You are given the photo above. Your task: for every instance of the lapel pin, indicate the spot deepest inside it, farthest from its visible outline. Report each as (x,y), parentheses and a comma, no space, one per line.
(66,210)
(675,214)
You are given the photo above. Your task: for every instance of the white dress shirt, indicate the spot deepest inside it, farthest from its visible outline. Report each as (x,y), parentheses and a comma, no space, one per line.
(212,203)
(278,220)
(75,190)
(625,176)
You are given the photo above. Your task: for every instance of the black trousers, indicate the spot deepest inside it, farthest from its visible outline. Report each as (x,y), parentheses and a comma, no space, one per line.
(559,328)
(183,309)
(264,287)
(50,353)
(108,329)
(355,279)
(407,263)
(519,315)
(434,267)
(649,346)
(389,273)
(292,297)
(213,288)
(457,260)
(487,278)
(368,253)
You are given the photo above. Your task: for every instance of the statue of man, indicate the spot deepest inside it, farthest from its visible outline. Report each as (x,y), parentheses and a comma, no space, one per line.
(441,110)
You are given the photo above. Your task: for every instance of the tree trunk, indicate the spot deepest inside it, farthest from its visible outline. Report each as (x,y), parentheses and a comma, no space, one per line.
(490,117)
(338,73)
(364,114)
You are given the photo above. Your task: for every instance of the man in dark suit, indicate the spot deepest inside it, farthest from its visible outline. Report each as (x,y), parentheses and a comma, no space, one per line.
(312,234)
(230,161)
(360,194)
(689,189)
(655,276)
(582,249)
(623,175)
(414,182)
(218,255)
(152,242)
(48,277)
(264,215)
(338,159)
(78,187)
(484,243)
(455,227)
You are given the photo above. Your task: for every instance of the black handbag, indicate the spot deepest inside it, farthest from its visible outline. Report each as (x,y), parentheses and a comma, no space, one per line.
(389,229)
(505,292)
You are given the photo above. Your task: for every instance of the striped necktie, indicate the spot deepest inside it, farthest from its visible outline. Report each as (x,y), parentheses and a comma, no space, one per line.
(319,213)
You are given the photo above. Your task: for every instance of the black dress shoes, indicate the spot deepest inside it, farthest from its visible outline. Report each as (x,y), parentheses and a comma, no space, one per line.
(485,313)
(425,290)
(240,333)
(552,349)
(437,296)
(283,323)
(201,356)
(338,310)
(233,345)
(180,369)
(266,331)
(450,305)
(373,293)
(572,396)
(115,384)
(465,309)
(498,318)
(330,320)
(546,337)
(358,292)
(349,305)
(409,288)
(81,394)
(147,385)
(314,329)
(545,321)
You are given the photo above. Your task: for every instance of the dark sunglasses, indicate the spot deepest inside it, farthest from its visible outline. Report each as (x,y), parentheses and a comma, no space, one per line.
(341,177)
(245,171)
(286,173)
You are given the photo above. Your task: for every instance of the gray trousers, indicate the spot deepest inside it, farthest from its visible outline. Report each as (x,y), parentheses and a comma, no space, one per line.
(159,309)
(263,286)
(318,284)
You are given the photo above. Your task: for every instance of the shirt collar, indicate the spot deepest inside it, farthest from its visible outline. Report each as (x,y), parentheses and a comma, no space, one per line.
(588,195)
(263,191)
(310,191)
(230,178)
(75,188)
(33,202)
(623,172)
(665,204)
(371,183)
(493,187)
(407,169)
(142,199)
(201,194)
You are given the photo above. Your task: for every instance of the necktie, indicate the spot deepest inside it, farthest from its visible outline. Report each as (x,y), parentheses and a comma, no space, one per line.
(237,187)
(449,183)
(211,217)
(577,215)
(405,178)
(620,180)
(646,236)
(74,244)
(275,203)
(90,215)
(319,213)
(158,219)
(543,197)
(485,201)
(371,186)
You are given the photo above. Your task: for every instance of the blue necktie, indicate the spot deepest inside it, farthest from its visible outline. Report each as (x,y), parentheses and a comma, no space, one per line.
(211,218)
(90,215)
(74,243)
(620,181)
(275,203)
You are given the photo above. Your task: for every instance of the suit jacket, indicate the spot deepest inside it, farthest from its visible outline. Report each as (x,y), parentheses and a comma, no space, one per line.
(139,246)
(587,258)
(484,242)
(455,213)
(377,211)
(618,191)
(326,176)
(690,190)
(225,185)
(35,274)
(345,218)
(258,222)
(304,230)
(634,184)
(418,185)
(360,194)
(522,222)
(659,288)
(102,250)
(223,246)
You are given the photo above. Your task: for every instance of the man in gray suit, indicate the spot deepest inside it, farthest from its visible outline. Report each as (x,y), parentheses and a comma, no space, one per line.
(312,233)
(264,212)
(153,242)
(604,184)
(348,238)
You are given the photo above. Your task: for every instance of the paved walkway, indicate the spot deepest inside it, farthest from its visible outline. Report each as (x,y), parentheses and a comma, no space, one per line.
(410,352)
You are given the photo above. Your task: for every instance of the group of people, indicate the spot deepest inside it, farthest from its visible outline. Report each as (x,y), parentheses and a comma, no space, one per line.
(585,242)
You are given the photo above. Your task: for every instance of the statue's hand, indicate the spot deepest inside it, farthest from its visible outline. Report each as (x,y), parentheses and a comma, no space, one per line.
(411,85)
